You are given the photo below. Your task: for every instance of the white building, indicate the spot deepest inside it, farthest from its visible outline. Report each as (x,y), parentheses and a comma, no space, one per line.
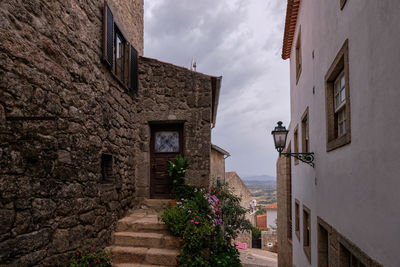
(345,107)
(271,210)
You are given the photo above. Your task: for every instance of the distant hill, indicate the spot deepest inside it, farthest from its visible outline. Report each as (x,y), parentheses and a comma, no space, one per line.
(259,178)
(262,188)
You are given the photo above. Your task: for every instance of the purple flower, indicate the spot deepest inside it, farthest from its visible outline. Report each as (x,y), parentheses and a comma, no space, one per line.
(214,198)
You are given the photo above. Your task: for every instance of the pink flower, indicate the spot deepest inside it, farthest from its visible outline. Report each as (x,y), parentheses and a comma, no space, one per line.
(196,222)
(192,221)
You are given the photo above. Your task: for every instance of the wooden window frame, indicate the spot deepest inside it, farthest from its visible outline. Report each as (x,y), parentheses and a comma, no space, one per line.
(307,239)
(289,208)
(299,59)
(324,225)
(353,250)
(127,77)
(342,4)
(339,65)
(296,143)
(120,74)
(305,132)
(297,218)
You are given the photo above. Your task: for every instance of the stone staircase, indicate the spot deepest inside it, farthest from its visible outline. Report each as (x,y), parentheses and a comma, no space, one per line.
(141,240)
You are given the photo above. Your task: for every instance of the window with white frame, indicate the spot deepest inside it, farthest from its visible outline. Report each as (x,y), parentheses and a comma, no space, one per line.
(340,103)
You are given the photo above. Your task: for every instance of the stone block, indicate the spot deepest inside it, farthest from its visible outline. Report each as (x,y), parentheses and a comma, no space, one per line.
(6,220)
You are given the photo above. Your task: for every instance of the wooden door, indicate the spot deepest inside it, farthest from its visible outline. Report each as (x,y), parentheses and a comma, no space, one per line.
(165,144)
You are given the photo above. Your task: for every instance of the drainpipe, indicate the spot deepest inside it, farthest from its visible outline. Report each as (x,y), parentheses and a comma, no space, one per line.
(225,157)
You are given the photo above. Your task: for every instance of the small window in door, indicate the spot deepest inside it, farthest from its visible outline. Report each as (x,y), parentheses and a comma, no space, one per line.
(166,142)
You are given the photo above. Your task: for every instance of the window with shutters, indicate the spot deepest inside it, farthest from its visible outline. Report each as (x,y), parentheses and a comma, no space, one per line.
(342,4)
(305,145)
(323,246)
(297,218)
(107,172)
(348,259)
(338,101)
(307,232)
(118,54)
(120,45)
(296,143)
(298,56)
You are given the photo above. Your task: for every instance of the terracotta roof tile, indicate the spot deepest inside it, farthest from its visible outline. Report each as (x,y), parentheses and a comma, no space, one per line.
(271,206)
(290,27)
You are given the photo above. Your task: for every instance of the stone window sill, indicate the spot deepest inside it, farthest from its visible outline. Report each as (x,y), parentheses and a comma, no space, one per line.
(338,142)
(307,251)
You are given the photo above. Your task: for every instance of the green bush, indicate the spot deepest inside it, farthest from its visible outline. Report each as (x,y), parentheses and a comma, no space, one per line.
(255,233)
(91,257)
(206,219)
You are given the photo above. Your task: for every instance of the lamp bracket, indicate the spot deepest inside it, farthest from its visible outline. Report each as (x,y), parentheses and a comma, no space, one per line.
(306,157)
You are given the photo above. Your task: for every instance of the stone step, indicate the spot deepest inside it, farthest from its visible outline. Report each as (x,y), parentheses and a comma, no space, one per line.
(156,204)
(137,265)
(142,239)
(142,223)
(141,255)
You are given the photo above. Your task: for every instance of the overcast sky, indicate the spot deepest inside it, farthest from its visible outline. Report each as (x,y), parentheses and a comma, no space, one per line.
(242,41)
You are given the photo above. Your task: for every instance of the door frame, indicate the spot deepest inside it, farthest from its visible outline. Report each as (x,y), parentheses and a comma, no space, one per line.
(163,126)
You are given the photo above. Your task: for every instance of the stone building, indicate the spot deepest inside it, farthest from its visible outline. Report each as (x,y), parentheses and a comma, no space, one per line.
(344,68)
(87,124)
(240,189)
(272,210)
(218,156)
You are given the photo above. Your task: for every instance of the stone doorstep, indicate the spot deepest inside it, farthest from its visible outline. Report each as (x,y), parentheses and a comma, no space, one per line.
(140,255)
(140,239)
(140,223)
(156,204)
(137,265)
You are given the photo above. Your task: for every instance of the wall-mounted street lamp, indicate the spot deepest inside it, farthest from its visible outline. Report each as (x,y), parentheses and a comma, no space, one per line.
(280,135)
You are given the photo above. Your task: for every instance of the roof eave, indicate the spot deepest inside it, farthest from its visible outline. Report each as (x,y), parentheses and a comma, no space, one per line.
(290,27)
(216,88)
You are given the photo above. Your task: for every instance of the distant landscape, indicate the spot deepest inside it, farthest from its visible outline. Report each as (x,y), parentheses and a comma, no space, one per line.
(262,188)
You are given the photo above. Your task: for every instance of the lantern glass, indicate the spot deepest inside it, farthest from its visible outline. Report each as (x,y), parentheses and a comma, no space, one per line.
(280,134)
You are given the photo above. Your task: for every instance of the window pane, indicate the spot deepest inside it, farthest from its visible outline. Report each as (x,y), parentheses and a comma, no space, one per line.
(337,86)
(343,95)
(166,141)
(340,130)
(343,114)
(118,46)
(342,82)
(337,101)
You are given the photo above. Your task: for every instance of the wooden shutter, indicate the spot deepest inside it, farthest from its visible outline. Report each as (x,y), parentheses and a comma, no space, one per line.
(133,69)
(108,52)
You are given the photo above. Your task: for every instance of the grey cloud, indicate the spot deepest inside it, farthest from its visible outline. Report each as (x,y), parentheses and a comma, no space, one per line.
(240,40)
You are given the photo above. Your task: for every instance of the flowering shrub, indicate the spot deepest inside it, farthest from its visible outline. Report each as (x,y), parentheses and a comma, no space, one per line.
(91,257)
(207,220)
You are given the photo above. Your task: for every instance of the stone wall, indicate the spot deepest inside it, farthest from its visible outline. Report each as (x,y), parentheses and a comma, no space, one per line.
(245,237)
(239,188)
(61,109)
(285,256)
(269,241)
(170,93)
(217,166)
(129,17)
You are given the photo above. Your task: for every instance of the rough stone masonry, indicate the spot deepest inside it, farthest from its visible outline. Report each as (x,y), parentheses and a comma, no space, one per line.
(61,109)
